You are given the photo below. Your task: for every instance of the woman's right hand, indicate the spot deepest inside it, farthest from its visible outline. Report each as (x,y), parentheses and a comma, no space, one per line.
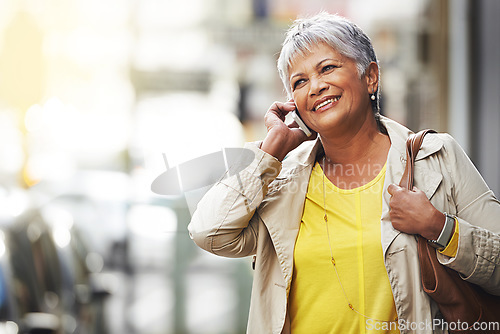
(282,138)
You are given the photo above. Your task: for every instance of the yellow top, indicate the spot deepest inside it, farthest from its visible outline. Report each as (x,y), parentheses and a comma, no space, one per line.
(317,302)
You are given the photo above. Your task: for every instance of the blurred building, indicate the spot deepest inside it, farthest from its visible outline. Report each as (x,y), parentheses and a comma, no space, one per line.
(131,87)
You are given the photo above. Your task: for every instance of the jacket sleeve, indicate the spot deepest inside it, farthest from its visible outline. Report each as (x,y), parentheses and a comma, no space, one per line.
(478,213)
(225,222)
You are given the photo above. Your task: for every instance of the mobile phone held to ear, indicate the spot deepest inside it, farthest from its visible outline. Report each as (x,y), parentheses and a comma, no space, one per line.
(296,117)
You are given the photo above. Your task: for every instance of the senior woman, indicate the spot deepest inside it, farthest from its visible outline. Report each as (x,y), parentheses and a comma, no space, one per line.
(333,237)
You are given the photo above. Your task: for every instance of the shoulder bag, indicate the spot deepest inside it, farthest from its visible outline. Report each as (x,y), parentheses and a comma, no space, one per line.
(465,306)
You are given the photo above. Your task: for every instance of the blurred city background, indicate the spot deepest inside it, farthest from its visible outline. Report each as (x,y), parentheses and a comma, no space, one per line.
(97,97)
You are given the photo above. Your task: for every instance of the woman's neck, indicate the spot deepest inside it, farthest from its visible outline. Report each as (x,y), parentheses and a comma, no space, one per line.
(360,146)
(354,160)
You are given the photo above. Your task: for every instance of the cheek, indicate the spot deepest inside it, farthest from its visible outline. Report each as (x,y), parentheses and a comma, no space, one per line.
(299,99)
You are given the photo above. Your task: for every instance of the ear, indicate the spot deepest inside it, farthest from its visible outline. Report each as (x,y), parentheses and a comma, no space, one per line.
(372,77)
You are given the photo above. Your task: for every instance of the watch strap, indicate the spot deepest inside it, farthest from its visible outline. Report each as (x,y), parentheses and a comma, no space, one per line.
(444,237)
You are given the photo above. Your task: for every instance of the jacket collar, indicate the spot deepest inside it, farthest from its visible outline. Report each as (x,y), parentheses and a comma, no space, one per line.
(399,133)
(307,152)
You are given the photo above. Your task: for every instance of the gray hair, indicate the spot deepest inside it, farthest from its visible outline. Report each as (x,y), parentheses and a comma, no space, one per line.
(339,33)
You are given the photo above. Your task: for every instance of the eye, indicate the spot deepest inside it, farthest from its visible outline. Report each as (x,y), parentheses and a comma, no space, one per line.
(327,68)
(298,83)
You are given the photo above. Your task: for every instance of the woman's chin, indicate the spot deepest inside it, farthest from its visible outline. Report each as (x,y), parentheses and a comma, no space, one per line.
(328,121)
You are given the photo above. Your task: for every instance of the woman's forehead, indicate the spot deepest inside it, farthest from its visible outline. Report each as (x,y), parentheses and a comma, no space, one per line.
(314,53)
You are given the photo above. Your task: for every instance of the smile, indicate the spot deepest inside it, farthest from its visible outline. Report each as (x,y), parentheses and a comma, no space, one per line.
(324,103)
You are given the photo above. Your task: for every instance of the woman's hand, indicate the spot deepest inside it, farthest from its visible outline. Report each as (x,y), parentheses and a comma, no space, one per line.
(411,212)
(282,138)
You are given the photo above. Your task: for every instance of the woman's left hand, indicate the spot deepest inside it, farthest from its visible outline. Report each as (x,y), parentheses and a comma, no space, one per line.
(411,212)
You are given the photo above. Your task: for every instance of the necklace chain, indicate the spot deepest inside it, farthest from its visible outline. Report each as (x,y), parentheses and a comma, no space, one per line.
(349,304)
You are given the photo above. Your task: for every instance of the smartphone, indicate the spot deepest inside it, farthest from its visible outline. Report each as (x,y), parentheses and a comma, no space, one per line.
(296,117)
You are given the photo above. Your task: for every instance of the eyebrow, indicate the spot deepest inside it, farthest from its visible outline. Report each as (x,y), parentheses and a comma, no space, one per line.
(317,65)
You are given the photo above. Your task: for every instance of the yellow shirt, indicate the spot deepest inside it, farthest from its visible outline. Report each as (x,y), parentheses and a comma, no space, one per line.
(317,302)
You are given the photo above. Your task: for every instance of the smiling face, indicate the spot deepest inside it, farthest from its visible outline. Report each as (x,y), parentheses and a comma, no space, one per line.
(328,91)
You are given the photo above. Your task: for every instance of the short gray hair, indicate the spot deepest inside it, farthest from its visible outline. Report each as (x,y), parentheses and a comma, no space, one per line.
(336,31)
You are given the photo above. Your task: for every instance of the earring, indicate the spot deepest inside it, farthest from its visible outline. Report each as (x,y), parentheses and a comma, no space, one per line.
(373,97)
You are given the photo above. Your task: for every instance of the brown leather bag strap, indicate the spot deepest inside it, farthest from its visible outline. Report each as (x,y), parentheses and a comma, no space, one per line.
(413,144)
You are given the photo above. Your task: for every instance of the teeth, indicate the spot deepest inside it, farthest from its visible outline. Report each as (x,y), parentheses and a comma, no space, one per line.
(326,102)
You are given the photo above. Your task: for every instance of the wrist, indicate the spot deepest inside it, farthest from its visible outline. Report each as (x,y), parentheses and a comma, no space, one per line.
(273,144)
(445,234)
(435,225)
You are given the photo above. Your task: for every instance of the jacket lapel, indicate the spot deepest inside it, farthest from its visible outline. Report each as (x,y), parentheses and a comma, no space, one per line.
(426,179)
(282,209)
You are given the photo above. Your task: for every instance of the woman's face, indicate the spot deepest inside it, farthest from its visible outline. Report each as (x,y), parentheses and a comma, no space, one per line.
(328,92)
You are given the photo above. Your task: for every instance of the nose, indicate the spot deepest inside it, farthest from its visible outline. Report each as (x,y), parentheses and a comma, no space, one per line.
(317,86)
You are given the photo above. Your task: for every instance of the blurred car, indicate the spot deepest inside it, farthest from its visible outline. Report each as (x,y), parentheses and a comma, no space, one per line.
(46,285)
(84,287)
(98,203)
(9,316)
(21,308)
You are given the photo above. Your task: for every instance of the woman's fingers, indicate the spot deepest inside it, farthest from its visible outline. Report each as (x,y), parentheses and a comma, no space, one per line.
(293,125)
(281,138)
(275,116)
(281,109)
(412,212)
(392,189)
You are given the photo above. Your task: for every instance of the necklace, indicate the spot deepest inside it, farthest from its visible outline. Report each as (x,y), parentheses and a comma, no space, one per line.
(349,304)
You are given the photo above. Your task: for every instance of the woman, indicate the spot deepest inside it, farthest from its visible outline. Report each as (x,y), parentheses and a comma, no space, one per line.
(332,234)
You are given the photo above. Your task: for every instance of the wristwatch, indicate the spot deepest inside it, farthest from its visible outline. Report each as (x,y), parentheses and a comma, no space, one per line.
(444,237)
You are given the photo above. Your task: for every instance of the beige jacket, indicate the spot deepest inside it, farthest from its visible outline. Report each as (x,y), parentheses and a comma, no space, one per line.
(258,212)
